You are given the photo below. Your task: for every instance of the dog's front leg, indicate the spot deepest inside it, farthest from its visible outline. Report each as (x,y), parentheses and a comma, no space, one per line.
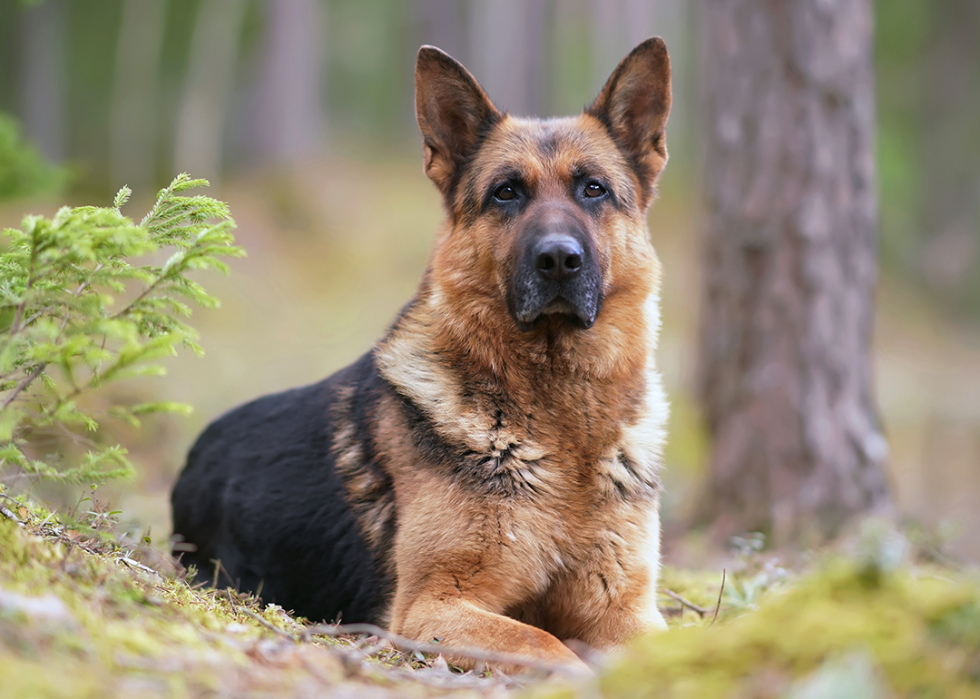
(458,622)
(456,577)
(611,597)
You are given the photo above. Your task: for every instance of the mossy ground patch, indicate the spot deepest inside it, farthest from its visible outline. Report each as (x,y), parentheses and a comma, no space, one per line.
(80,617)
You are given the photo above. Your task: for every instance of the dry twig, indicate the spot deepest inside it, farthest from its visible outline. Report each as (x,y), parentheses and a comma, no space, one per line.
(126,560)
(409,646)
(701,611)
(10,515)
(271,627)
(720,593)
(231,600)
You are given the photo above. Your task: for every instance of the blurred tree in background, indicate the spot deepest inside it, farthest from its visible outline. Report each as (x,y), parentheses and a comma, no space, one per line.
(928,60)
(790,268)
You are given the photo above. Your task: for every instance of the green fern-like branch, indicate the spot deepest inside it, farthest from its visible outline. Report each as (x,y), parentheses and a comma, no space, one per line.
(78,311)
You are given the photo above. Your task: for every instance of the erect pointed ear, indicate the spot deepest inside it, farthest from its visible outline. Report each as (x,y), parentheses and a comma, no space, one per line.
(634,105)
(454,113)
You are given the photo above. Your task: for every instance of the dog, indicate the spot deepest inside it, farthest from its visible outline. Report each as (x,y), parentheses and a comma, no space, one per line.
(488,474)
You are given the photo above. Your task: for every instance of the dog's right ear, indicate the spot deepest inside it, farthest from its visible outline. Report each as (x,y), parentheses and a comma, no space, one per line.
(453,113)
(634,106)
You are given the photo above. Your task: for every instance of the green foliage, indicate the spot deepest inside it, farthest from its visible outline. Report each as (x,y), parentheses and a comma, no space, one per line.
(23,172)
(78,312)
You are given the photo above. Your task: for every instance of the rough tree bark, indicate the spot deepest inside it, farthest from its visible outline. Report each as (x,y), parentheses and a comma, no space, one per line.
(789,268)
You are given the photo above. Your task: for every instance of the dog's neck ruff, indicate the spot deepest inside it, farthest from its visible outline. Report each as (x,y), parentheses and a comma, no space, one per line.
(621,418)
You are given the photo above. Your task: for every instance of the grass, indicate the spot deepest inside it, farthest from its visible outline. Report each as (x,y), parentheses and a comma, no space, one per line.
(88,612)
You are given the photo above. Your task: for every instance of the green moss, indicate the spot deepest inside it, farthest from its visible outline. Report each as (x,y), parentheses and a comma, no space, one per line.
(110,629)
(914,634)
(118,630)
(34,678)
(865,628)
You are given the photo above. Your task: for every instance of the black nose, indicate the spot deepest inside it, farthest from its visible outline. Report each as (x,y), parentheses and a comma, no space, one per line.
(558,256)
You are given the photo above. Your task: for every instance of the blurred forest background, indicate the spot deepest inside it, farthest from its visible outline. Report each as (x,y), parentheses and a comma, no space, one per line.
(300,112)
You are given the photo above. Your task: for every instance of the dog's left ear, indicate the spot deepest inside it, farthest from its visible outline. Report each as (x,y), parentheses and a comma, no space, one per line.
(453,113)
(634,106)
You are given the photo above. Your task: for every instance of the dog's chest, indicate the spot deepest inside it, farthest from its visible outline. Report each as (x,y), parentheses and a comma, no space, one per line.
(540,453)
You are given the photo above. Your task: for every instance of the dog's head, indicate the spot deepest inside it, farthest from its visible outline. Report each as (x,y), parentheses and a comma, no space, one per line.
(546,216)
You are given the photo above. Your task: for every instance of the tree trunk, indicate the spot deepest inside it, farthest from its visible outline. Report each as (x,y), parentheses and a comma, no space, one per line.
(201,120)
(508,42)
(789,268)
(290,117)
(442,23)
(43,78)
(619,25)
(133,116)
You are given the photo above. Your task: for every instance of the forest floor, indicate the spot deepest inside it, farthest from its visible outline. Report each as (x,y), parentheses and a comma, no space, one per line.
(88,612)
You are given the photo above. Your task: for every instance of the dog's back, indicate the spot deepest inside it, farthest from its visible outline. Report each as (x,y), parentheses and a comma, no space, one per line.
(236,511)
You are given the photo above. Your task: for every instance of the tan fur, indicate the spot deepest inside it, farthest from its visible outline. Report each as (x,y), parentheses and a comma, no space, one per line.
(575,419)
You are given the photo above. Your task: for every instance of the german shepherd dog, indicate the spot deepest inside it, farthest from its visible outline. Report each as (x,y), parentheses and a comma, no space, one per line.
(488,474)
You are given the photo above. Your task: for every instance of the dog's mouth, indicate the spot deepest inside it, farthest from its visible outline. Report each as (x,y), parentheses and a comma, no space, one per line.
(559,307)
(577,307)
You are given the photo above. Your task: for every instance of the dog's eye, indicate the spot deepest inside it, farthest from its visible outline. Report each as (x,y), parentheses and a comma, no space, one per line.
(594,189)
(505,193)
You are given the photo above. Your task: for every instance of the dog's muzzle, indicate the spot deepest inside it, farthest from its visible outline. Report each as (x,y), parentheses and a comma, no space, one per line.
(556,272)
